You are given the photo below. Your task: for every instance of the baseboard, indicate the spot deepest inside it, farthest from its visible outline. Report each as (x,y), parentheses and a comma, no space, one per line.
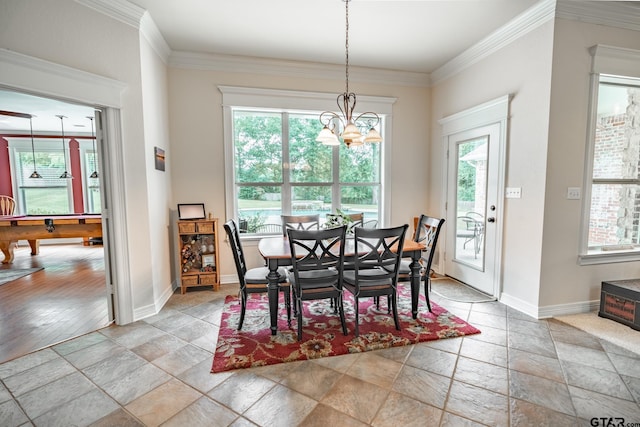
(520,305)
(566,309)
(228,278)
(549,310)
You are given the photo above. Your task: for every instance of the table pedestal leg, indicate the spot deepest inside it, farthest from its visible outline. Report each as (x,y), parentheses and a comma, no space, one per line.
(272,292)
(415,284)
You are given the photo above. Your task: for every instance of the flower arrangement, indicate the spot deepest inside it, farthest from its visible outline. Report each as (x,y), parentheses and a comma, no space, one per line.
(338,219)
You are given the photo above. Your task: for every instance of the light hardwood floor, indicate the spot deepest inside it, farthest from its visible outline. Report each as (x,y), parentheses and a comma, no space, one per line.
(65,300)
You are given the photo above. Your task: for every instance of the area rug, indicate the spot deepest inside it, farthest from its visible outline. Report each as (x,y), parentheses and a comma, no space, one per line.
(606,329)
(453,290)
(9,275)
(322,334)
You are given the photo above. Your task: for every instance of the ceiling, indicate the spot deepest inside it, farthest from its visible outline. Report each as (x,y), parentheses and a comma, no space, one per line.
(404,35)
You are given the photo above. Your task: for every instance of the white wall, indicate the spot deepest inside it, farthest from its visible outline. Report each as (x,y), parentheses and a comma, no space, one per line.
(197,161)
(523,69)
(159,197)
(564,285)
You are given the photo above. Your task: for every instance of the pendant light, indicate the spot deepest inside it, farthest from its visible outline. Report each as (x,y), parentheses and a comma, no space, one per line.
(95,153)
(35,173)
(65,175)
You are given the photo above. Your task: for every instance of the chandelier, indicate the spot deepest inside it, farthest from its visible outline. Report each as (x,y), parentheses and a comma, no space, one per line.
(351,134)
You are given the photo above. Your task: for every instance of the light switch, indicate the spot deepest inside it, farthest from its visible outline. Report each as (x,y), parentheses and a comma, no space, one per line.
(574,193)
(513,192)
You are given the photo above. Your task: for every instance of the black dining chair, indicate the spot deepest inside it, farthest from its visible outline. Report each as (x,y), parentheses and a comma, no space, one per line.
(427,231)
(300,222)
(376,264)
(316,272)
(253,280)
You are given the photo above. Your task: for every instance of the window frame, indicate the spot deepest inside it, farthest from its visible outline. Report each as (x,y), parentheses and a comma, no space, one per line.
(287,101)
(608,63)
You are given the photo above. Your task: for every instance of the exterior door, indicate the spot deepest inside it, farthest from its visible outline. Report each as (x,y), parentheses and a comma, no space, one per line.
(475,184)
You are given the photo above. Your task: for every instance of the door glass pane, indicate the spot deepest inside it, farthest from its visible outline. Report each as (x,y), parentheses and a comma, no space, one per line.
(471,196)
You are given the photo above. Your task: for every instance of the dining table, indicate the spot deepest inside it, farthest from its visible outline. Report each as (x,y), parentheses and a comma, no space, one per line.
(277,253)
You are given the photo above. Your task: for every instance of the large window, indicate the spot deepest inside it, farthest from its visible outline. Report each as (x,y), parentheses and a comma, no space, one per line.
(278,168)
(51,195)
(612,231)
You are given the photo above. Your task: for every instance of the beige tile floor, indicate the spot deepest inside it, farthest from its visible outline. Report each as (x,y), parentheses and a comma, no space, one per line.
(518,372)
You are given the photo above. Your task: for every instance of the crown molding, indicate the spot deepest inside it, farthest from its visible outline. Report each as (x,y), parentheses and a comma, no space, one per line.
(120,10)
(514,29)
(620,14)
(243,64)
(152,34)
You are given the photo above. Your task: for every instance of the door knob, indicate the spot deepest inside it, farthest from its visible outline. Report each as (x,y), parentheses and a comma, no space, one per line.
(491,219)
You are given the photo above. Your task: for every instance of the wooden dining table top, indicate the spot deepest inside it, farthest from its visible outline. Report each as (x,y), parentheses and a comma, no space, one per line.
(278,247)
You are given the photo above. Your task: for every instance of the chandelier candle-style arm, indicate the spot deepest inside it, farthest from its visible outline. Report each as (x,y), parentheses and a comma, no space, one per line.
(351,134)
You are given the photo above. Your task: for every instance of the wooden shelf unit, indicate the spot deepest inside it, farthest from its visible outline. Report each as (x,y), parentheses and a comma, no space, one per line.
(198,253)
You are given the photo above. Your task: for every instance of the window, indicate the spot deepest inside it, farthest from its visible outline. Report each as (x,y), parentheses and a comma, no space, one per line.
(46,195)
(612,231)
(276,167)
(51,195)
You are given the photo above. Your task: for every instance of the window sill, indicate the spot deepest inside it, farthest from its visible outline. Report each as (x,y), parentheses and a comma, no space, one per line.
(602,257)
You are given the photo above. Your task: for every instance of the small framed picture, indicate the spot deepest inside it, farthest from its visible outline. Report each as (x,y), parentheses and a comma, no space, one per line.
(158,154)
(208,260)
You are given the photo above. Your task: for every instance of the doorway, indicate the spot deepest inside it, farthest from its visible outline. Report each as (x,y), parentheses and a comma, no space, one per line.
(74,284)
(475,143)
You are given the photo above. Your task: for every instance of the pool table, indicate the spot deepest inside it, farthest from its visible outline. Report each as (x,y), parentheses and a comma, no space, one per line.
(34,228)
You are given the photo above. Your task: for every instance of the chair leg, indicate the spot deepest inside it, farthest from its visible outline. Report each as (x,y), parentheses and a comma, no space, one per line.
(299,305)
(287,303)
(355,307)
(341,311)
(394,304)
(427,287)
(243,307)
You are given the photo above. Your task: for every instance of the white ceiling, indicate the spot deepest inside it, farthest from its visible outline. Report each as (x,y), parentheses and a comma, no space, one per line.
(404,35)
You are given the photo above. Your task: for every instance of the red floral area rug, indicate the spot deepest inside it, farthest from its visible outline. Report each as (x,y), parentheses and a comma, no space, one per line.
(322,333)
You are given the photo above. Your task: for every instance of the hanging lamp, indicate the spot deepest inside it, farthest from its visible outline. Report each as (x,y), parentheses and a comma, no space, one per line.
(65,174)
(346,101)
(35,173)
(95,153)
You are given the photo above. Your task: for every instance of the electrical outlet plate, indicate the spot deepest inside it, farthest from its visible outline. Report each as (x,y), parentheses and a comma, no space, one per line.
(513,192)
(574,193)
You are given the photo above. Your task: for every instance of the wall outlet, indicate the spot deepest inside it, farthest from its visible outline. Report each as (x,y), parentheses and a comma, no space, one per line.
(574,193)
(513,192)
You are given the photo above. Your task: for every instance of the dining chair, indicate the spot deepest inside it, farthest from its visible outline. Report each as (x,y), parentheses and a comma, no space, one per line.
(376,263)
(427,232)
(316,269)
(253,280)
(7,205)
(471,230)
(300,222)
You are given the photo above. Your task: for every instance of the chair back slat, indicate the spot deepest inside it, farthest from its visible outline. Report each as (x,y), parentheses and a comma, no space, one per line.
(300,222)
(7,205)
(379,247)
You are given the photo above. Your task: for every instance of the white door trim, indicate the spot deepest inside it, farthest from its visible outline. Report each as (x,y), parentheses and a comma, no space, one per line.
(488,113)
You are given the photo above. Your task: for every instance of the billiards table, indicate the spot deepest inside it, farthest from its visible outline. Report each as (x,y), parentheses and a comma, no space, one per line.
(33,228)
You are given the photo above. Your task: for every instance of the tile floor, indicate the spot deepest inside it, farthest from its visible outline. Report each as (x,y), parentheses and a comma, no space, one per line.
(518,372)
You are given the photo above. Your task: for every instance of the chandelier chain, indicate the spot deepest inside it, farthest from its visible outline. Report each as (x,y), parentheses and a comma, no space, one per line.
(346,46)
